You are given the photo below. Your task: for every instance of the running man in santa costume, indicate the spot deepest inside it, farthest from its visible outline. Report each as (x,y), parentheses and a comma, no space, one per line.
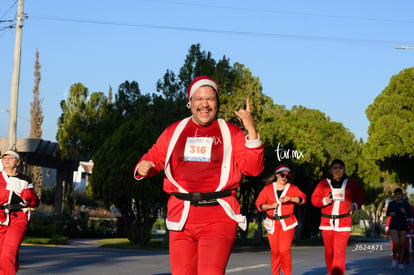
(337,196)
(203,158)
(278,199)
(16,199)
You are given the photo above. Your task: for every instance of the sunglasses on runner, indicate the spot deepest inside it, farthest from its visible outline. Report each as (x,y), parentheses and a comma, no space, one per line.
(285,176)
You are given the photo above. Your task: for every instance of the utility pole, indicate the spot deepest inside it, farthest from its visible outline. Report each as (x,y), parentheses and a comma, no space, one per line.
(14,93)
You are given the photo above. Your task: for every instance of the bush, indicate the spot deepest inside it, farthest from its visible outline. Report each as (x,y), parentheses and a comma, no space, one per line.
(43,222)
(83,222)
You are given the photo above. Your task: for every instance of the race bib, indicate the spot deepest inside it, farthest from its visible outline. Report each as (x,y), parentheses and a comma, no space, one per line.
(338,194)
(269,225)
(198,149)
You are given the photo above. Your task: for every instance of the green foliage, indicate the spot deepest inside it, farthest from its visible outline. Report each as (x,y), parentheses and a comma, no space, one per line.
(159,224)
(36,120)
(113,181)
(391,130)
(43,222)
(48,195)
(54,240)
(307,140)
(81,127)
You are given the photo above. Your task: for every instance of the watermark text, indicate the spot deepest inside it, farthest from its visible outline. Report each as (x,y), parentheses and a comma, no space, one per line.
(283,153)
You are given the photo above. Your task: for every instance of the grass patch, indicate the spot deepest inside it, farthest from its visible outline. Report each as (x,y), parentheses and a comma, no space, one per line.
(119,243)
(45,241)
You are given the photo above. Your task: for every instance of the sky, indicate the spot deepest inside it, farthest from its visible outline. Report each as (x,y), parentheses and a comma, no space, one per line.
(334,56)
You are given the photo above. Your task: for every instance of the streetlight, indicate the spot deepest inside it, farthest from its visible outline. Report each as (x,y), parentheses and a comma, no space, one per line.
(404,47)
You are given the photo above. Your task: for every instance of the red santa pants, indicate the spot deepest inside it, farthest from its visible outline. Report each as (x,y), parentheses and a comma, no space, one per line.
(335,250)
(280,242)
(202,248)
(11,236)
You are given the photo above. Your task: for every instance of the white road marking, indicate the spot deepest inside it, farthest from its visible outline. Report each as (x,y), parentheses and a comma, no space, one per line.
(245,268)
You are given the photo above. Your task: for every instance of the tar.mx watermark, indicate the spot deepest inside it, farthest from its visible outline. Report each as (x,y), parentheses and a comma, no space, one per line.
(283,153)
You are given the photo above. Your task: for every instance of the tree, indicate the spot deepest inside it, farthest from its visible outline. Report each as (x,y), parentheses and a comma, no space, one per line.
(391,130)
(82,128)
(112,179)
(36,120)
(127,97)
(307,140)
(83,125)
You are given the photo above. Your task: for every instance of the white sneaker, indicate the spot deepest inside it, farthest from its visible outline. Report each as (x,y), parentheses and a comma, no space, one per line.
(394,264)
(401,267)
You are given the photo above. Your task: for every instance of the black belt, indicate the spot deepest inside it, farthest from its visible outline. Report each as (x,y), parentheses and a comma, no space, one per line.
(203,199)
(276,217)
(335,216)
(11,207)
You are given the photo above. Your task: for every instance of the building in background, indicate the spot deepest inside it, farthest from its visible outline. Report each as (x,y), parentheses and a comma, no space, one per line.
(81,176)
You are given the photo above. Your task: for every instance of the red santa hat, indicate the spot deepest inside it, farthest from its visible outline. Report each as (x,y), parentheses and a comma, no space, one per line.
(201,81)
(282,168)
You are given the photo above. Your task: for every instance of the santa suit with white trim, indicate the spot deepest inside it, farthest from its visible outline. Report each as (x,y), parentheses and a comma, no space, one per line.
(280,232)
(13,223)
(201,237)
(336,228)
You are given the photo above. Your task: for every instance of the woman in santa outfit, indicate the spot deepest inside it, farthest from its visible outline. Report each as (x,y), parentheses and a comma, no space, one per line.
(203,158)
(278,199)
(337,196)
(16,199)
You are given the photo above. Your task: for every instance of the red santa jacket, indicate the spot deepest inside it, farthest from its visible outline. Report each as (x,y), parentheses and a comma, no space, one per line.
(20,186)
(240,156)
(352,194)
(269,195)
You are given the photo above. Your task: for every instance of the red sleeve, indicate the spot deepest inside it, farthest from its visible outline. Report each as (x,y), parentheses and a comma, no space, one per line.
(4,193)
(299,193)
(357,193)
(319,193)
(29,195)
(157,153)
(250,159)
(263,197)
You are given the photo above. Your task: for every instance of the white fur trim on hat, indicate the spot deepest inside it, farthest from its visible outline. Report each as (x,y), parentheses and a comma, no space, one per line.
(282,168)
(202,82)
(11,153)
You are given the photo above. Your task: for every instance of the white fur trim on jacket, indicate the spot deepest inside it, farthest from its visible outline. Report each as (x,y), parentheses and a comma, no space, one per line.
(225,171)
(335,211)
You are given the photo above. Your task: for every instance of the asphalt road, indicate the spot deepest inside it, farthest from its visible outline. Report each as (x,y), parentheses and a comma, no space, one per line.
(83,257)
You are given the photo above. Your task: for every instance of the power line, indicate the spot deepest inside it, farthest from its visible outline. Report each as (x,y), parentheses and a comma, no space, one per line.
(7,21)
(8,111)
(286,12)
(7,27)
(217,31)
(12,6)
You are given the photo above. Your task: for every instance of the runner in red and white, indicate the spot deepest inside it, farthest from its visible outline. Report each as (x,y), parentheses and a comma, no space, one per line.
(278,199)
(337,196)
(16,199)
(203,159)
